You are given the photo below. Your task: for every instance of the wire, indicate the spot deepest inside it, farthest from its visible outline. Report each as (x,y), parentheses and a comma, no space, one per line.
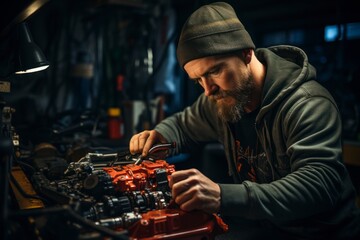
(122,235)
(22,192)
(25,164)
(82,159)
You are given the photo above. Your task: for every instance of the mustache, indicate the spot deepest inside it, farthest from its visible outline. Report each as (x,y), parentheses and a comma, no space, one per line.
(222,94)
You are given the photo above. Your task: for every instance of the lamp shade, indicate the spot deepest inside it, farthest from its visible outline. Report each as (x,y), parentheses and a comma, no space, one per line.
(29,58)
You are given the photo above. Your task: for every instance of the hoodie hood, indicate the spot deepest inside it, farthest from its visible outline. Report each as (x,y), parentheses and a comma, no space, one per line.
(287,67)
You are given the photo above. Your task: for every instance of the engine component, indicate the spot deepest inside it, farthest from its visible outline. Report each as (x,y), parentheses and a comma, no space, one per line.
(47,160)
(131,195)
(148,175)
(177,224)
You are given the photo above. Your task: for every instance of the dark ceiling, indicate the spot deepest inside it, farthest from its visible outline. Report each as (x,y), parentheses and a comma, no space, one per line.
(282,14)
(262,15)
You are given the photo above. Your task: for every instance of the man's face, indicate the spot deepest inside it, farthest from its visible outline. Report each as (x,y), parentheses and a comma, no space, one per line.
(226,80)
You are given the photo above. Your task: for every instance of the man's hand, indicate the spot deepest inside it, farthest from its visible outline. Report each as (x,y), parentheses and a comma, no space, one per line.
(192,190)
(142,142)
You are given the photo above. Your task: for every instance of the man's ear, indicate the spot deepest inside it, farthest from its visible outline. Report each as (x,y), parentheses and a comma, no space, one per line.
(247,54)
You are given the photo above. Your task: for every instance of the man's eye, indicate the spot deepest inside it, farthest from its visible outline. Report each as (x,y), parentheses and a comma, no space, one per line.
(197,81)
(214,71)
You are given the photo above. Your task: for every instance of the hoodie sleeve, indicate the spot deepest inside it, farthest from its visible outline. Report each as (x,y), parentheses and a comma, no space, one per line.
(195,124)
(316,179)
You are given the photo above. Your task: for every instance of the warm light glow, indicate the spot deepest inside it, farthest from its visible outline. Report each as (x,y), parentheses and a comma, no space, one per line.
(31,70)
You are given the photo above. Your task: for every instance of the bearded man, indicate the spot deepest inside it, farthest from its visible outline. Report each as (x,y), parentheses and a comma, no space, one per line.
(281,132)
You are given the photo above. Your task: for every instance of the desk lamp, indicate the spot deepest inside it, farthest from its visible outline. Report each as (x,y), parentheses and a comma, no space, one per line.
(28,58)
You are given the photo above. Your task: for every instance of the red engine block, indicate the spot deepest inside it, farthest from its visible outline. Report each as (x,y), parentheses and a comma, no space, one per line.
(177,224)
(133,177)
(170,223)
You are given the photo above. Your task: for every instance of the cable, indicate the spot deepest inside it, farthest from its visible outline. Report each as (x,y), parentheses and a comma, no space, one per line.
(22,192)
(26,165)
(121,235)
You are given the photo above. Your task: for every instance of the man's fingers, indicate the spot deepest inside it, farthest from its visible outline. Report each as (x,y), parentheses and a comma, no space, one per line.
(143,141)
(152,138)
(181,175)
(137,142)
(192,190)
(186,196)
(134,144)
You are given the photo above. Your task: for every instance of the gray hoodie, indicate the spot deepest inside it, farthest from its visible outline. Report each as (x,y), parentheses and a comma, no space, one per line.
(306,190)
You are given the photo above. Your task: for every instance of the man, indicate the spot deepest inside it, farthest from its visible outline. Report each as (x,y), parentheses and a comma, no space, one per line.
(280,129)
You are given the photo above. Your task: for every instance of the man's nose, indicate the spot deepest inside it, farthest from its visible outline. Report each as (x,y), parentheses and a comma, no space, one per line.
(209,86)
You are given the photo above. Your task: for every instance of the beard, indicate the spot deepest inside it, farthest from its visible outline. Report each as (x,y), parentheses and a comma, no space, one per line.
(231,103)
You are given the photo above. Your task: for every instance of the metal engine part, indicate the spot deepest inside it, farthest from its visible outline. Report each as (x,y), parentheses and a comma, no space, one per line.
(134,197)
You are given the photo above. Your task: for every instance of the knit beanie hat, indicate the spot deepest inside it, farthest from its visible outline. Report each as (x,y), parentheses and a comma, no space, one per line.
(212,30)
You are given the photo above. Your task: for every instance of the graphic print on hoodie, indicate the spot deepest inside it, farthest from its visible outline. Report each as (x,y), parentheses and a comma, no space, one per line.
(249,153)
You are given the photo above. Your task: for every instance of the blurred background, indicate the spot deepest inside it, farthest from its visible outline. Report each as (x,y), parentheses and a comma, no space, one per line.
(113,70)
